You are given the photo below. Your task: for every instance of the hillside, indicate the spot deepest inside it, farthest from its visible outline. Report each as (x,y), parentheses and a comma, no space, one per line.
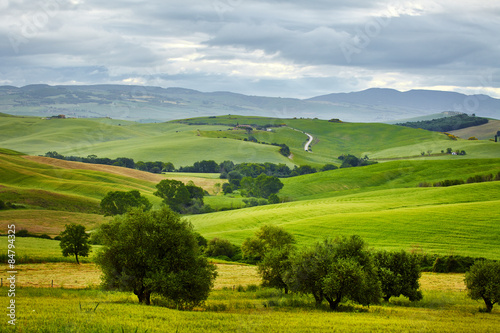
(187,141)
(483,132)
(57,192)
(383,204)
(380,202)
(156,104)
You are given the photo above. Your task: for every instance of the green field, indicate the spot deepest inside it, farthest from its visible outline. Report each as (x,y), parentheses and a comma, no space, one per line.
(264,310)
(210,138)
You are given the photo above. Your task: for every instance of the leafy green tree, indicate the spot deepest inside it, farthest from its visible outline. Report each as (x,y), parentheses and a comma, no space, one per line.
(272,247)
(168,167)
(337,270)
(155,252)
(262,186)
(227,188)
(220,247)
(399,273)
(75,241)
(483,282)
(178,196)
(273,199)
(303,170)
(328,167)
(118,202)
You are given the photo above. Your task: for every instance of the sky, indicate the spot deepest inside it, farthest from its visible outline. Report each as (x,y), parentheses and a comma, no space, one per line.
(256,47)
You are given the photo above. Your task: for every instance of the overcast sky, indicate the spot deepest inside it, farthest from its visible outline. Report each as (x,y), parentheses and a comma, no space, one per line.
(256,47)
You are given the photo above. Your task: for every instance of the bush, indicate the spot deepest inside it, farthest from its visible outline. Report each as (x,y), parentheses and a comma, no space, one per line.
(220,247)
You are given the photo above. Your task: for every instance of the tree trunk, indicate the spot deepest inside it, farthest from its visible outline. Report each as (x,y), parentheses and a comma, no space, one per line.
(489,304)
(76,256)
(318,299)
(143,295)
(334,304)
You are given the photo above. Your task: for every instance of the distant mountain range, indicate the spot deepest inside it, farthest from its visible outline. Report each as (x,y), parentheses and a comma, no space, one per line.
(155,104)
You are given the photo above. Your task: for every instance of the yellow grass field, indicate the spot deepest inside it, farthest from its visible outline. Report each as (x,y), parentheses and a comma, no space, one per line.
(69,275)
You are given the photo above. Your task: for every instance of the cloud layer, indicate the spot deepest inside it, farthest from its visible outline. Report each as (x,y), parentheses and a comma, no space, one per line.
(276,48)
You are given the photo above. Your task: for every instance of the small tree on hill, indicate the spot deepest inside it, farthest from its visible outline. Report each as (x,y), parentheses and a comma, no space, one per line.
(483,282)
(118,202)
(75,241)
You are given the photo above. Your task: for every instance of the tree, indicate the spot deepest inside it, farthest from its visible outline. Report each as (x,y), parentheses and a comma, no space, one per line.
(155,252)
(118,202)
(483,282)
(272,247)
(399,273)
(273,199)
(75,241)
(328,167)
(262,186)
(220,247)
(179,197)
(227,188)
(336,271)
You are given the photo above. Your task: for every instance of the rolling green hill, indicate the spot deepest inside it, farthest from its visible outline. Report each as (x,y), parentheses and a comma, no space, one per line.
(460,219)
(188,141)
(380,202)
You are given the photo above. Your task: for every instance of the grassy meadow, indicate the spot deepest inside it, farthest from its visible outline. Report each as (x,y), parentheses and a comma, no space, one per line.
(382,203)
(260,310)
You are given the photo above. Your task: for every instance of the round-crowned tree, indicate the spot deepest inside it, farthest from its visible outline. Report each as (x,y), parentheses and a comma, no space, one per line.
(75,241)
(483,282)
(155,252)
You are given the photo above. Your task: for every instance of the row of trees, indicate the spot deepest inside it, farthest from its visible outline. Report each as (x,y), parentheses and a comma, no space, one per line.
(156,252)
(333,270)
(447,124)
(344,269)
(181,198)
(454,182)
(153,167)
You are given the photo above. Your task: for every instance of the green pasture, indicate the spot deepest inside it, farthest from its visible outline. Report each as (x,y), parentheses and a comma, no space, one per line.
(460,219)
(394,174)
(29,249)
(263,310)
(168,142)
(210,138)
(87,186)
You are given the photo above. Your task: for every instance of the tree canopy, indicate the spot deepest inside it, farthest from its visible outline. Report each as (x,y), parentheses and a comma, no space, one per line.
(399,273)
(155,252)
(75,241)
(336,271)
(483,282)
(118,202)
(177,196)
(272,247)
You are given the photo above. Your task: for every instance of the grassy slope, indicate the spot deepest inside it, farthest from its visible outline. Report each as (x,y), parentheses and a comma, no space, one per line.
(383,204)
(172,142)
(333,139)
(183,145)
(483,132)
